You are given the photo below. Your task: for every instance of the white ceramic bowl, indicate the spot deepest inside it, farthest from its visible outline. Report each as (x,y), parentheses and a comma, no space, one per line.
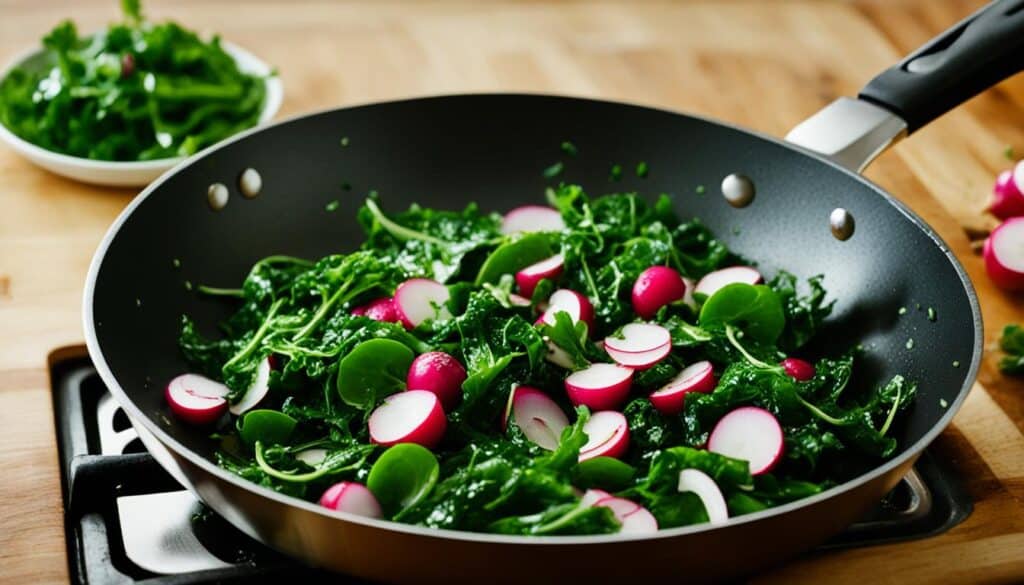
(127,174)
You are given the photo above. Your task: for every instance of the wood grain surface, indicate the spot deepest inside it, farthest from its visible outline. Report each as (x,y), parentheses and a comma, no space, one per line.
(766,65)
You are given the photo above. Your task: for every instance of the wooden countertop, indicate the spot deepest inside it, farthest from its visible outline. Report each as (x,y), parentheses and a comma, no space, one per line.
(766,65)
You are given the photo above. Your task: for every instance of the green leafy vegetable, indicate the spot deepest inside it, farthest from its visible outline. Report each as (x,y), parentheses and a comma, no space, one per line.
(269,427)
(1012,344)
(373,370)
(755,309)
(402,476)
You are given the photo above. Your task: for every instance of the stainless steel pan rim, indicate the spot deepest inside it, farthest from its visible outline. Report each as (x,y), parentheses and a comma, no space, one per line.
(910,452)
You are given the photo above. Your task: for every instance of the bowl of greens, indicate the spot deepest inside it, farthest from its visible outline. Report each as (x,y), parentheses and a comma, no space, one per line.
(123,105)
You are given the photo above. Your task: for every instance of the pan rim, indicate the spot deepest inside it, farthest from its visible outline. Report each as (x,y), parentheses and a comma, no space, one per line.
(910,453)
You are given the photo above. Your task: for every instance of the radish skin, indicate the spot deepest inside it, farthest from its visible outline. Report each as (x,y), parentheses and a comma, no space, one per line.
(1004,254)
(671,398)
(701,484)
(607,435)
(195,399)
(256,392)
(351,497)
(798,369)
(656,287)
(528,278)
(532,218)
(382,309)
(1008,193)
(718,279)
(600,386)
(751,434)
(537,415)
(440,373)
(413,416)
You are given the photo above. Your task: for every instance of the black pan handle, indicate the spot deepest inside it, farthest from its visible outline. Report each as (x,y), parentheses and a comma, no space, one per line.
(977,53)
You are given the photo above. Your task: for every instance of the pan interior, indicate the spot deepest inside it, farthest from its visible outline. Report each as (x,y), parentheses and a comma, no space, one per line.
(447,152)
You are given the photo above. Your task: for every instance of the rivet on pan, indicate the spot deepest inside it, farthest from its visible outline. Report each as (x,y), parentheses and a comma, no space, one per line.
(738,190)
(841,223)
(250,182)
(217,196)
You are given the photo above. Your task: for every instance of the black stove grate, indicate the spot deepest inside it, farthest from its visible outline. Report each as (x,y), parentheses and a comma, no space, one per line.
(128,521)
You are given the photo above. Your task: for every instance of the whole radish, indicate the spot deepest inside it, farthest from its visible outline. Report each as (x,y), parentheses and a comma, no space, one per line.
(1008,193)
(440,373)
(798,369)
(656,287)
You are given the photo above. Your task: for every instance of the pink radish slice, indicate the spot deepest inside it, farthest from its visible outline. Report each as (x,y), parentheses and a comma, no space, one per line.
(351,497)
(383,310)
(797,369)
(413,416)
(670,398)
(558,356)
(701,484)
(256,392)
(576,305)
(607,435)
(1004,254)
(713,281)
(527,278)
(688,299)
(540,419)
(751,434)
(420,299)
(599,386)
(532,218)
(638,361)
(518,301)
(635,519)
(195,399)
(593,496)
(639,338)
(437,372)
(1008,193)
(656,287)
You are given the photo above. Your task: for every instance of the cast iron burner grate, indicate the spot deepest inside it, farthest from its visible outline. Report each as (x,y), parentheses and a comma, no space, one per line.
(128,521)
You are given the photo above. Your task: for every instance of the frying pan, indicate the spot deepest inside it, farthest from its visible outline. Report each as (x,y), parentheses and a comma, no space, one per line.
(448,151)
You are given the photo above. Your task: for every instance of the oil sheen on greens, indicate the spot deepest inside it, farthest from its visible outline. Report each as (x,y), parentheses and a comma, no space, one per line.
(490,480)
(135,91)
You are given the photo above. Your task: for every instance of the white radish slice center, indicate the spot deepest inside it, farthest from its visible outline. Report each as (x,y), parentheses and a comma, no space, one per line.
(621,507)
(401,414)
(563,300)
(599,376)
(421,299)
(312,457)
(532,218)
(539,417)
(545,267)
(701,484)
(751,434)
(196,392)
(639,338)
(1008,243)
(688,299)
(256,391)
(638,359)
(639,522)
(691,376)
(604,430)
(714,281)
(593,496)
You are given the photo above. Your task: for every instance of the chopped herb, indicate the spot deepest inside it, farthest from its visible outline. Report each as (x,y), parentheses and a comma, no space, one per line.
(903,310)
(176,263)
(138,302)
(188,285)
(931,314)
(918,305)
(943,403)
(736,231)
(1009,154)
(701,189)
(910,343)
(554,170)
(615,173)
(956,363)
(344,141)
(641,169)
(332,205)
(569,148)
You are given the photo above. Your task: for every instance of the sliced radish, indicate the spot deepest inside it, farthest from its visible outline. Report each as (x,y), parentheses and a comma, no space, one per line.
(576,305)
(382,309)
(256,391)
(798,369)
(670,398)
(558,356)
(634,518)
(688,299)
(312,457)
(437,372)
(1008,193)
(656,287)
(532,218)
(639,361)
(518,301)
(599,386)
(351,497)
(540,419)
(414,416)
(607,435)
(1004,254)
(713,281)
(593,496)
(751,434)
(700,483)
(420,299)
(639,338)
(528,278)
(196,399)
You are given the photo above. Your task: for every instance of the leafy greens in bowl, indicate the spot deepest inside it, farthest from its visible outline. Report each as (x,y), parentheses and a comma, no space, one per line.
(123,105)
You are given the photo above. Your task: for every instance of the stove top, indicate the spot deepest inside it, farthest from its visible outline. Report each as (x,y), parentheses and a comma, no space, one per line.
(128,521)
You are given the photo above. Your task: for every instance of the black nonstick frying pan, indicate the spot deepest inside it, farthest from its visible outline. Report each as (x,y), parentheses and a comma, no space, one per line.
(448,151)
